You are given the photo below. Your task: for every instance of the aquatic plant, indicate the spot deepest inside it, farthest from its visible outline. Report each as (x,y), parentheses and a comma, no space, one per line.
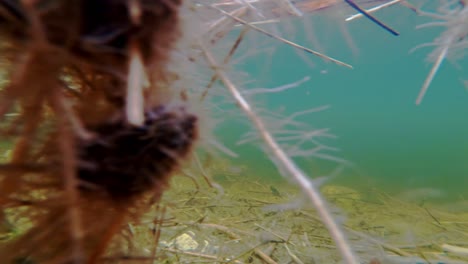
(452,42)
(106,100)
(96,135)
(370,17)
(104,115)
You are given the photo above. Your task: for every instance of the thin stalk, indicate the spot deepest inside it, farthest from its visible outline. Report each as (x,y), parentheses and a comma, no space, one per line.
(432,74)
(370,17)
(288,42)
(374,9)
(286,163)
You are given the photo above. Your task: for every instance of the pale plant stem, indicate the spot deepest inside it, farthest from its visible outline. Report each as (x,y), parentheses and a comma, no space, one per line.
(432,74)
(283,40)
(286,163)
(372,10)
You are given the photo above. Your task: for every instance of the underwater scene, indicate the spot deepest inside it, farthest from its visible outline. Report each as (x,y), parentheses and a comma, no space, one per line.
(234,131)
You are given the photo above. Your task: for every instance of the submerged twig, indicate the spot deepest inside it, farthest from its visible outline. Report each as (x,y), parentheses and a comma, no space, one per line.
(285,163)
(293,256)
(382,244)
(432,74)
(225,61)
(288,42)
(374,9)
(370,17)
(461,251)
(276,89)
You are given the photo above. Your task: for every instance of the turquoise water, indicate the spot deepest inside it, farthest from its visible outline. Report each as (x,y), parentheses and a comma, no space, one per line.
(392,143)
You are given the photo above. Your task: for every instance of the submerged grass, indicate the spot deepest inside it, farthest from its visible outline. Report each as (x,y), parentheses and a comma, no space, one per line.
(193,223)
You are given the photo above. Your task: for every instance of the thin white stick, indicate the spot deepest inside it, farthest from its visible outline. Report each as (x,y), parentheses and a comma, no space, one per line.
(134,106)
(294,257)
(276,89)
(281,39)
(218,23)
(460,251)
(432,73)
(287,164)
(358,15)
(269,21)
